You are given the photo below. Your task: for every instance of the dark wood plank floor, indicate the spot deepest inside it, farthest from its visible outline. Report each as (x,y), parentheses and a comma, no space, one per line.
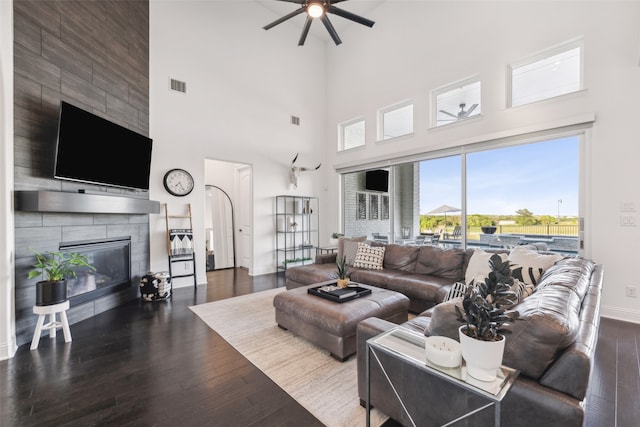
(158,364)
(147,364)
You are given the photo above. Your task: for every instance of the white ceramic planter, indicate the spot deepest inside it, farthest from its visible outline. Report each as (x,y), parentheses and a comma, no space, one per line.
(483,358)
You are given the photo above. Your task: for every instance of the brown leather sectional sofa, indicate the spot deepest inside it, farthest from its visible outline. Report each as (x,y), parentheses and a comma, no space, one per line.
(553,345)
(423,273)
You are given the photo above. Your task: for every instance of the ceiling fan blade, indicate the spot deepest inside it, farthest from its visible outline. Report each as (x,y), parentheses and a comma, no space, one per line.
(351,16)
(330,29)
(294,1)
(449,114)
(305,31)
(284,18)
(473,107)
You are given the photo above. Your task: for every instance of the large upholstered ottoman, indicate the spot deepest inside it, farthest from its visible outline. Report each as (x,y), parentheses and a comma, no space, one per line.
(332,325)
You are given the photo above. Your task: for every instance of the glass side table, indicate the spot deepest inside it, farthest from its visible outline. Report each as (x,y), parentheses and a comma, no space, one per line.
(406,346)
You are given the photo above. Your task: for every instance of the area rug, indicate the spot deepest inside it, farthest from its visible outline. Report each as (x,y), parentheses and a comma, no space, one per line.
(325,387)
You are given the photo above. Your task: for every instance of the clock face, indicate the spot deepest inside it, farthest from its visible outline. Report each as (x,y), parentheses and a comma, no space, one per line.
(178,182)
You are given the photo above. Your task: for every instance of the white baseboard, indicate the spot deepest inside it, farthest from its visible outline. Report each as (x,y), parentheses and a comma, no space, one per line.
(618,313)
(8,350)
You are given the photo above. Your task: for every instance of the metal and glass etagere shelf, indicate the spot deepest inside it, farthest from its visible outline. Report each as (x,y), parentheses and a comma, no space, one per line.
(297,230)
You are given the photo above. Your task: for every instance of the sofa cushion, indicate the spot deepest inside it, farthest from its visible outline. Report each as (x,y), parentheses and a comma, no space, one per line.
(401,257)
(309,274)
(422,287)
(379,278)
(550,318)
(533,263)
(341,241)
(446,263)
(368,257)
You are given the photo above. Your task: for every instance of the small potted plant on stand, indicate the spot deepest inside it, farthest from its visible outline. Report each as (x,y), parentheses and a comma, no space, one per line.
(55,267)
(482,337)
(343,280)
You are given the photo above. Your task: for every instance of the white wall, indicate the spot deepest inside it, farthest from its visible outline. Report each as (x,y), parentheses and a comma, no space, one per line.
(243,84)
(417,46)
(7,292)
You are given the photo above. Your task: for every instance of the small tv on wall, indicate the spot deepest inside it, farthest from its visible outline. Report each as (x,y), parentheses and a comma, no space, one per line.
(95,150)
(377,180)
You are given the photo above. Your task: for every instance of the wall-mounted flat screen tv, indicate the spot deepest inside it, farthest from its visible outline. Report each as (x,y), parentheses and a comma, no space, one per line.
(94,150)
(377,180)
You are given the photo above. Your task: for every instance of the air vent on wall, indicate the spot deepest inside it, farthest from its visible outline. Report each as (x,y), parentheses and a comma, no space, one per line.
(178,86)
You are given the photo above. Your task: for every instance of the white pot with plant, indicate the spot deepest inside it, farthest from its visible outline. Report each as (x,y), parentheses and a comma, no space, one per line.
(482,336)
(55,268)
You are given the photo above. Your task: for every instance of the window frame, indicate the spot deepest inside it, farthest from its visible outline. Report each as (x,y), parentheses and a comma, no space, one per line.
(461,85)
(539,57)
(341,133)
(381,115)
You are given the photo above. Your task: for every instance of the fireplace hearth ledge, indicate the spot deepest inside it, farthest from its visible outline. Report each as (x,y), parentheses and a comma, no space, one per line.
(59,201)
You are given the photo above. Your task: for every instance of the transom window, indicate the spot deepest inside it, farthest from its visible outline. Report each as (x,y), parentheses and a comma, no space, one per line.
(455,102)
(351,134)
(395,121)
(553,73)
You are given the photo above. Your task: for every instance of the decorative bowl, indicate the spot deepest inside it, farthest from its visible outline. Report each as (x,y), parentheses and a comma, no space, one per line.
(443,351)
(488,229)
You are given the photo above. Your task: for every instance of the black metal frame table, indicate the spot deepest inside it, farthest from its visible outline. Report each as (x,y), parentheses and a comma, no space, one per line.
(408,347)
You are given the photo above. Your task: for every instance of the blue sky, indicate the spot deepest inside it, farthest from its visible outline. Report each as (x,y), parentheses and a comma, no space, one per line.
(501,181)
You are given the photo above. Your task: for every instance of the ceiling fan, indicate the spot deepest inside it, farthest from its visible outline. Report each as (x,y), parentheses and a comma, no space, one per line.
(461,114)
(319,9)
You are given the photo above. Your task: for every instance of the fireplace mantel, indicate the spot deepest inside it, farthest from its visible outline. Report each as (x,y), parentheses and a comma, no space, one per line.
(58,201)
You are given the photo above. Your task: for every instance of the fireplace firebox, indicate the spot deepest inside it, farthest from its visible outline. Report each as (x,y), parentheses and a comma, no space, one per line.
(111,259)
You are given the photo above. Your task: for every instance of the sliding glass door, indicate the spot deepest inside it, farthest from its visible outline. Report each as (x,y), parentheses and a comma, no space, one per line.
(488,196)
(524,194)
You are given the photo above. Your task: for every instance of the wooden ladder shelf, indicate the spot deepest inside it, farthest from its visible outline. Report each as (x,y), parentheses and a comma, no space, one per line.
(180,248)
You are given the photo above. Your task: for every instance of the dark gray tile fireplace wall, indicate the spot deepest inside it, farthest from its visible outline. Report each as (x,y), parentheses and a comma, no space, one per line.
(93,54)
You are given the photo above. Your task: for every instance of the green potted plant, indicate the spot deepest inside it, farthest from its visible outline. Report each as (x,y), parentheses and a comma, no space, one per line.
(55,268)
(343,280)
(485,318)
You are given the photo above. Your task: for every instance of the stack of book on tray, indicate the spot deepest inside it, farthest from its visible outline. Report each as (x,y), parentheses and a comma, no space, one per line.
(338,292)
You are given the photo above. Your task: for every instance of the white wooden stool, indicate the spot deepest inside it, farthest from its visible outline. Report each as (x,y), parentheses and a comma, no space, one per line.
(51,310)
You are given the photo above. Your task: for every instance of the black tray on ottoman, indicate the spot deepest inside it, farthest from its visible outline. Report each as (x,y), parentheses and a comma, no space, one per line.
(333,293)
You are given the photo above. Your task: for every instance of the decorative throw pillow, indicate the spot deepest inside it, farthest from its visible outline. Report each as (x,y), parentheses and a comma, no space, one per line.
(533,263)
(350,251)
(343,240)
(456,290)
(368,257)
(478,268)
(521,289)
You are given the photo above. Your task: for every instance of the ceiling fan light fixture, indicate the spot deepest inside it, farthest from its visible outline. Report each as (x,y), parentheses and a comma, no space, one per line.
(315,10)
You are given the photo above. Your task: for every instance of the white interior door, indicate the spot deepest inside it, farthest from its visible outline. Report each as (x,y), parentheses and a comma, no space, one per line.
(245,218)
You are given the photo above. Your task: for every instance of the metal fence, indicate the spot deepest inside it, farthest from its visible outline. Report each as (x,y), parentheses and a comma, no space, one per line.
(541,230)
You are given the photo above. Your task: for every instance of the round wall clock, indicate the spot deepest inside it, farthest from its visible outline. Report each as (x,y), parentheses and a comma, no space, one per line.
(178,182)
